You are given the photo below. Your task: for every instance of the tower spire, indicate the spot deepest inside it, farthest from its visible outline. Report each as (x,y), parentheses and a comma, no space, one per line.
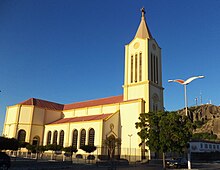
(143,30)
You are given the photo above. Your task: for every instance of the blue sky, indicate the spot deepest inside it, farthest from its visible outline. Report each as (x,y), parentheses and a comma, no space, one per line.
(66,51)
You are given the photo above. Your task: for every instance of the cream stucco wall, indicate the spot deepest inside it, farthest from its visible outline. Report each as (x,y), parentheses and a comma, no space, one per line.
(39,116)
(29,118)
(68,129)
(37,131)
(112,126)
(140,88)
(147,86)
(87,125)
(11,120)
(26,114)
(155,50)
(136,46)
(18,117)
(94,110)
(159,92)
(129,113)
(52,115)
(11,114)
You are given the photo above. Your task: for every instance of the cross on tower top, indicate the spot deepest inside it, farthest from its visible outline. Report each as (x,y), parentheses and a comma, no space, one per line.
(143,11)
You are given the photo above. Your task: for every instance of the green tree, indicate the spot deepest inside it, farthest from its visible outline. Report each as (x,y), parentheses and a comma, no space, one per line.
(69,151)
(88,148)
(53,147)
(41,149)
(149,130)
(23,144)
(164,131)
(31,148)
(175,133)
(205,136)
(8,143)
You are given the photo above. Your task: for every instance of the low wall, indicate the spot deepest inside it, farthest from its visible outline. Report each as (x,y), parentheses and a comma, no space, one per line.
(205,156)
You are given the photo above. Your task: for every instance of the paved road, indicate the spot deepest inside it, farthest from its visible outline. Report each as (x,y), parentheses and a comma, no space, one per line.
(45,165)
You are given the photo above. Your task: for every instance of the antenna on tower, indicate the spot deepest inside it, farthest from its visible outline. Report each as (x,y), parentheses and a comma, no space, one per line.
(196,100)
(200,98)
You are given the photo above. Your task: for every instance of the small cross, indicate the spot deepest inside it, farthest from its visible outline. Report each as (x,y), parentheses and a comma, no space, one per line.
(143,11)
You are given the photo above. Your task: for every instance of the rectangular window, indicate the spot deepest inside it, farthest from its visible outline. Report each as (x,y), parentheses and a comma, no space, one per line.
(140,67)
(136,65)
(201,145)
(206,145)
(132,66)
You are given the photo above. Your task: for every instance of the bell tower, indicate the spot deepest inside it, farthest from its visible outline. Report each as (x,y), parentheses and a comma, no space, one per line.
(143,70)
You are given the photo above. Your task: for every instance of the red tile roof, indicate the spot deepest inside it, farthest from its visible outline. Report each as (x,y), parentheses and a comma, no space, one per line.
(55,106)
(96,102)
(83,118)
(43,104)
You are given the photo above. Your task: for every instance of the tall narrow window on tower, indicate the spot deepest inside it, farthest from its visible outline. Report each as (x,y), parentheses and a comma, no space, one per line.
(132,66)
(152,68)
(156,70)
(136,65)
(140,67)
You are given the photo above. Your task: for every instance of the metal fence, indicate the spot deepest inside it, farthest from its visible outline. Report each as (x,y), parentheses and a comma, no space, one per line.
(130,154)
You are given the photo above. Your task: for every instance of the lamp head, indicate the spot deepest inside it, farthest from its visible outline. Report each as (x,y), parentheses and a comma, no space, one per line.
(201,77)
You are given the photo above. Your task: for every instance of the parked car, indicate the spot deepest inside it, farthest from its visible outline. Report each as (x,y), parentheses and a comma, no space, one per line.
(176,163)
(5,161)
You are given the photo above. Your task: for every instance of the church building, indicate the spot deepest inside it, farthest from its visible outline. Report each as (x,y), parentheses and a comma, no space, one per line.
(90,122)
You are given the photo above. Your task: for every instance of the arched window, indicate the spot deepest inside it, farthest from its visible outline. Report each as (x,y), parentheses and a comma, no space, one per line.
(49,138)
(36,141)
(75,138)
(55,133)
(82,137)
(91,137)
(21,135)
(155,102)
(61,138)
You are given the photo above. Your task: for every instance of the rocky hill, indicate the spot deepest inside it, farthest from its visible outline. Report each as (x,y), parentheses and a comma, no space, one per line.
(207,116)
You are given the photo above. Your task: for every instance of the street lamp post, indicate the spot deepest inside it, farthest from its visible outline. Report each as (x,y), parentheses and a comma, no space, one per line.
(185,83)
(130,147)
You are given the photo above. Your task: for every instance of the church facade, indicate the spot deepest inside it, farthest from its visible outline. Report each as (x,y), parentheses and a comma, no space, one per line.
(90,122)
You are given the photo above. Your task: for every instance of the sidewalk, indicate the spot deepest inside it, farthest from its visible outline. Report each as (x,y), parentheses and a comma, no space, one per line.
(35,165)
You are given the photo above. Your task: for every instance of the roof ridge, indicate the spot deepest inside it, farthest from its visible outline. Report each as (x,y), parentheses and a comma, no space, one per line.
(95,99)
(82,118)
(57,106)
(94,102)
(33,101)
